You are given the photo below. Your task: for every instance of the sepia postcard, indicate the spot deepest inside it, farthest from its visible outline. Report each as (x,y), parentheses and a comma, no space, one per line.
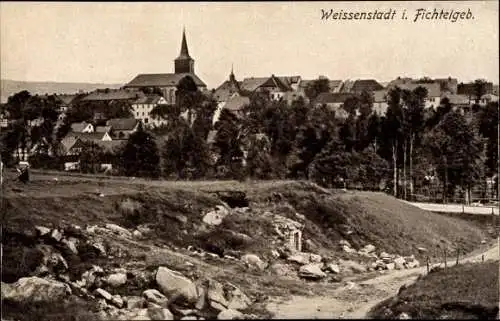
(249,160)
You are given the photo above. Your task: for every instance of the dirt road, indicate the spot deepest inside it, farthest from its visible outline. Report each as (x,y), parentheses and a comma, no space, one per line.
(355,300)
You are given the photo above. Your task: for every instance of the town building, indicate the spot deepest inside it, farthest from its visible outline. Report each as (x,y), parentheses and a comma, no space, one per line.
(167,83)
(142,107)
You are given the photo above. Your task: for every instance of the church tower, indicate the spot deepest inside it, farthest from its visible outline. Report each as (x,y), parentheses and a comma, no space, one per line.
(184,63)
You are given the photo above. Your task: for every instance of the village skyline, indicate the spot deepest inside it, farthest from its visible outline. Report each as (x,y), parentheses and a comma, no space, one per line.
(121,43)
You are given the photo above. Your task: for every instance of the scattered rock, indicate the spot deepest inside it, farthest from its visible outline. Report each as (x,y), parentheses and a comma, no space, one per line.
(413,264)
(42,230)
(390,266)
(116,279)
(56,235)
(369,248)
(385,255)
(135,302)
(253,260)
(404,316)
(422,249)
(117,301)
(483,242)
(35,289)
(160,314)
(236,298)
(353,266)
(281,269)
(315,258)
(137,234)
(344,243)
(311,271)
(71,244)
(348,249)
(215,217)
(215,293)
(172,282)
(399,263)
(99,247)
(104,294)
(189,317)
(155,296)
(334,268)
(230,314)
(118,230)
(300,258)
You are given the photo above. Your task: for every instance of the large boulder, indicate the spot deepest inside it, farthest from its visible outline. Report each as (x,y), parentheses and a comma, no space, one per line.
(160,314)
(35,289)
(369,248)
(174,283)
(135,302)
(311,271)
(253,260)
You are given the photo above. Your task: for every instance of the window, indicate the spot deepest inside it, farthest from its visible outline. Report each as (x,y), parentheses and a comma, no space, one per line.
(145,120)
(142,113)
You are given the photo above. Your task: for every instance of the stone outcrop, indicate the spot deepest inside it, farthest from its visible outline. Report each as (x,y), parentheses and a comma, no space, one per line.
(35,289)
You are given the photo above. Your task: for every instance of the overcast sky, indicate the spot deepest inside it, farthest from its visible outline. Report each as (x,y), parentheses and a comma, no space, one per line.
(113,42)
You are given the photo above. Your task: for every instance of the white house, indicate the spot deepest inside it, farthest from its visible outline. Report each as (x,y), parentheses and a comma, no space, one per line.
(142,107)
(82,127)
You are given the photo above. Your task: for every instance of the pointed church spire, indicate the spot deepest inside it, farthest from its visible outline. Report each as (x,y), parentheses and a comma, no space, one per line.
(184,63)
(184,47)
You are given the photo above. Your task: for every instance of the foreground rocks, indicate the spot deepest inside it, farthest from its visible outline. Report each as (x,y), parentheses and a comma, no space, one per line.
(35,289)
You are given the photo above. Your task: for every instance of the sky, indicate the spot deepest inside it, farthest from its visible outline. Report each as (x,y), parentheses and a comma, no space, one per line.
(113,42)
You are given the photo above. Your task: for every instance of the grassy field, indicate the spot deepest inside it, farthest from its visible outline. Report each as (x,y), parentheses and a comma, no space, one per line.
(468,291)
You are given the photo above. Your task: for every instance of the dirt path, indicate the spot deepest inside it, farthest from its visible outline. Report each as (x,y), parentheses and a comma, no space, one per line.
(355,300)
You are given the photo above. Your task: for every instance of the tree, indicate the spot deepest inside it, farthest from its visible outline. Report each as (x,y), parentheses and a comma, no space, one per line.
(229,143)
(392,130)
(91,157)
(139,156)
(317,87)
(479,89)
(456,149)
(413,113)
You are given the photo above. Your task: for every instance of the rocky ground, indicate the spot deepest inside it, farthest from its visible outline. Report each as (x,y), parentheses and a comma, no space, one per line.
(147,254)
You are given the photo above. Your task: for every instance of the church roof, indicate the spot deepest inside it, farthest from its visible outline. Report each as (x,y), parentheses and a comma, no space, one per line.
(162,80)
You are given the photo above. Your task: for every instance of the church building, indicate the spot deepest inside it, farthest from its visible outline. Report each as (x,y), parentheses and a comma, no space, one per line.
(167,83)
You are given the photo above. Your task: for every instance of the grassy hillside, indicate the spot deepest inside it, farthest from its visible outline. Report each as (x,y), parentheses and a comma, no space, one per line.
(468,291)
(176,210)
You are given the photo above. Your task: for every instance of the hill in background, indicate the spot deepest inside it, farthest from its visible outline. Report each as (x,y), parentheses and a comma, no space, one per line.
(10,87)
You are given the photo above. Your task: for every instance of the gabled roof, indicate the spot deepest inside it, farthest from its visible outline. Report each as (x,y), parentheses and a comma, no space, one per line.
(251,84)
(457,99)
(148,99)
(103,129)
(366,85)
(162,80)
(104,95)
(79,127)
(87,136)
(67,99)
(226,90)
(122,123)
(237,103)
(330,98)
(433,89)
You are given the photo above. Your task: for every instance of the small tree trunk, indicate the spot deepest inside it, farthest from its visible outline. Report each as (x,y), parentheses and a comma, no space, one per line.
(445,187)
(395,167)
(404,170)
(411,165)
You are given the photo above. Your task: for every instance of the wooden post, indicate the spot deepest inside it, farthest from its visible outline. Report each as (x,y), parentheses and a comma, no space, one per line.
(445,264)
(458,253)
(427,262)
(482,258)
